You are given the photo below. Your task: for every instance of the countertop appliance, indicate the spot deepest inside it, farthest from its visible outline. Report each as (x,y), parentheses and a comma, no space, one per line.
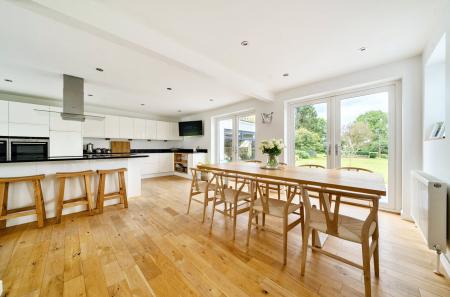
(90,148)
(3,148)
(28,148)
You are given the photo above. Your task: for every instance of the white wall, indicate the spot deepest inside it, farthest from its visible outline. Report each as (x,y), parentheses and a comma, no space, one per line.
(409,71)
(436,153)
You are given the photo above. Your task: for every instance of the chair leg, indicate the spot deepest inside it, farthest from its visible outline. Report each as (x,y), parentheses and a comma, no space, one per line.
(366,266)
(212,215)
(60,202)
(249,228)
(205,205)
(285,234)
(87,186)
(123,189)
(40,211)
(279,192)
(304,248)
(3,203)
(263,219)
(376,254)
(101,193)
(234,219)
(190,196)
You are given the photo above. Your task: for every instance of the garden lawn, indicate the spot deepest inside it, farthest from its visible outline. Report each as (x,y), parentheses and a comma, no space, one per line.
(378,165)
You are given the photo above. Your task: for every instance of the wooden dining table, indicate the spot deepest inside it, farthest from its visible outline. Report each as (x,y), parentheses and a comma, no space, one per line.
(354,181)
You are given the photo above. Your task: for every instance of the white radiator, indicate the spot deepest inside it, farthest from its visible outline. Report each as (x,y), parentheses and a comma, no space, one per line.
(429,209)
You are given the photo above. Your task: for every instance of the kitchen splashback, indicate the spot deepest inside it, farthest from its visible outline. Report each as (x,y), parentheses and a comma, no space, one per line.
(135,144)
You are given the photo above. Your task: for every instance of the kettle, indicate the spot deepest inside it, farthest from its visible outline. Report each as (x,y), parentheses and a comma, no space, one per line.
(89,148)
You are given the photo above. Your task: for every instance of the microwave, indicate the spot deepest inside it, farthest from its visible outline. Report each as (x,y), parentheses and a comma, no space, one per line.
(28,149)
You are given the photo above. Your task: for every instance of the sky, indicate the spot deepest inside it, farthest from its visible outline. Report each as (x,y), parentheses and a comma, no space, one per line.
(351,108)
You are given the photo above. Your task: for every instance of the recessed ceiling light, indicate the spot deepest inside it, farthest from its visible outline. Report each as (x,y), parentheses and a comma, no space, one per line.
(142,104)
(179,110)
(244,43)
(362,49)
(169,89)
(211,100)
(285,74)
(99,69)
(8,80)
(90,95)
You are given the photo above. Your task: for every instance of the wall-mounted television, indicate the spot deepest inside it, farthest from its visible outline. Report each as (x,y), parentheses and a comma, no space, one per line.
(191,128)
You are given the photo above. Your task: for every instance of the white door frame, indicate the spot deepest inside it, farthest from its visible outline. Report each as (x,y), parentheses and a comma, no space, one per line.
(235,119)
(333,132)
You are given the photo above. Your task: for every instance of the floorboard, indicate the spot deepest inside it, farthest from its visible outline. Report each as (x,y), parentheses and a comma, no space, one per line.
(154,249)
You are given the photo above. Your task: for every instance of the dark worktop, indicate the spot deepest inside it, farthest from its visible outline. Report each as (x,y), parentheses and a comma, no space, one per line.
(73,158)
(157,151)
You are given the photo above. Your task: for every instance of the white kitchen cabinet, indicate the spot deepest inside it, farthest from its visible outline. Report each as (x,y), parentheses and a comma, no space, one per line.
(165,162)
(175,132)
(126,127)
(4,118)
(66,143)
(139,129)
(28,119)
(94,127)
(112,127)
(24,113)
(58,124)
(28,130)
(150,129)
(163,130)
(150,165)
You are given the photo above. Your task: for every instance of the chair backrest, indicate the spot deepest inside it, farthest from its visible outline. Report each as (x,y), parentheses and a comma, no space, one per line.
(312,166)
(262,189)
(354,169)
(331,216)
(221,179)
(201,175)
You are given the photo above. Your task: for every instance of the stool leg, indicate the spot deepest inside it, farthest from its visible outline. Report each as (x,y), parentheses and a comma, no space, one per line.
(101,193)
(123,189)
(3,203)
(60,202)
(40,209)
(87,185)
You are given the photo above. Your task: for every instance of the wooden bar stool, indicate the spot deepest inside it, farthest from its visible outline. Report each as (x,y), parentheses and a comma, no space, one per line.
(122,193)
(84,200)
(38,208)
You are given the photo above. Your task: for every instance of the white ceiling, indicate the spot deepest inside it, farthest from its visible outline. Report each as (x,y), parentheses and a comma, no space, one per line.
(194,46)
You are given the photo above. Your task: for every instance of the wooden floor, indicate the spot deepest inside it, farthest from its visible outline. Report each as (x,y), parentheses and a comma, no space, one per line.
(155,249)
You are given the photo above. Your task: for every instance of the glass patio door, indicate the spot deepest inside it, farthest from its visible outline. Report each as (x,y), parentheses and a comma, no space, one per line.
(353,129)
(235,139)
(312,143)
(365,137)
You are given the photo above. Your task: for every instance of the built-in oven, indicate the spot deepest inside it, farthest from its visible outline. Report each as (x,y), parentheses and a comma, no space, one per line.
(28,148)
(3,148)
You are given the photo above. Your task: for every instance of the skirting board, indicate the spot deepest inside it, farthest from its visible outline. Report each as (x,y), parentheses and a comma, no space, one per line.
(185,175)
(445,264)
(156,175)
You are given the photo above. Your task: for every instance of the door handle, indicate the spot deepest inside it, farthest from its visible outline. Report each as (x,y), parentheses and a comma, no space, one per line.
(329,149)
(336,149)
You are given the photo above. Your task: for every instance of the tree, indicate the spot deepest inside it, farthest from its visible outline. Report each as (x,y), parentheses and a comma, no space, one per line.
(356,136)
(307,143)
(307,119)
(377,122)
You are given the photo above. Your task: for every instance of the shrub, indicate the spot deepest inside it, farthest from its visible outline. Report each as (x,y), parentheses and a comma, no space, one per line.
(303,154)
(373,155)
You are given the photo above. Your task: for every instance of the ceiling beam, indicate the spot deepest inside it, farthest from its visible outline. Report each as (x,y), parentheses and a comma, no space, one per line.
(97,18)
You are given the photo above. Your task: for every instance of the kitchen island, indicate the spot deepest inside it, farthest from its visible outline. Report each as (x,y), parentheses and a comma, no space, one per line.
(21,194)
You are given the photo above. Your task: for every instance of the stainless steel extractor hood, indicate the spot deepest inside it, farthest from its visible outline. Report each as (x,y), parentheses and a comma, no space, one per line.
(73,99)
